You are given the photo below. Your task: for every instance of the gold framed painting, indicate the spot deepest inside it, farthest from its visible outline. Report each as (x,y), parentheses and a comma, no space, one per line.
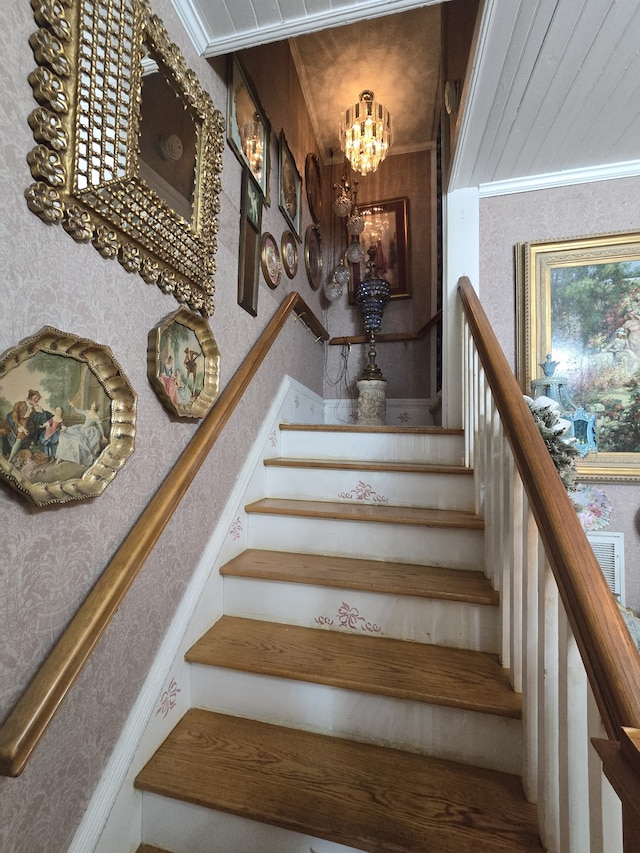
(183,364)
(248,129)
(578,341)
(289,187)
(67,417)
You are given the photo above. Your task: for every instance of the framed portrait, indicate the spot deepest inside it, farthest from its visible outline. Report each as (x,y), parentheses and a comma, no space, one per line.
(289,249)
(385,240)
(313,186)
(270,261)
(313,256)
(289,187)
(67,417)
(578,309)
(183,364)
(249,259)
(248,129)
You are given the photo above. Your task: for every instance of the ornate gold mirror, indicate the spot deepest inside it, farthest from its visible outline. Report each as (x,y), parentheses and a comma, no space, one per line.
(129,146)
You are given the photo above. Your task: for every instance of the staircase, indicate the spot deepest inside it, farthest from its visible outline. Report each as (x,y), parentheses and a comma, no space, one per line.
(351,698)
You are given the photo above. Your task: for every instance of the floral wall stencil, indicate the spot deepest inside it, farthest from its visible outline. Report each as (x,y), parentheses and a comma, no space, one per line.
(168,698)
(236,529)
(363,492)
(349,617)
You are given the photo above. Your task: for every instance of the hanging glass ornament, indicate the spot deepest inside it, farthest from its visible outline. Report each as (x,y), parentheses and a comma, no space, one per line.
(355,252)
(333,289)
(355,223)
(341,273)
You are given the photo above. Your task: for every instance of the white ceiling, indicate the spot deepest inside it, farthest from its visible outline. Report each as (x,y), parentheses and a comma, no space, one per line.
(555,83)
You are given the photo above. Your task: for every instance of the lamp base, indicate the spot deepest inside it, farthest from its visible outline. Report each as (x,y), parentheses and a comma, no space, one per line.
(372,402)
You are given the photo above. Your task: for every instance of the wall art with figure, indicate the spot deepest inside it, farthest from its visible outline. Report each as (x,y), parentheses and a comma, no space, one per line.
(67,417)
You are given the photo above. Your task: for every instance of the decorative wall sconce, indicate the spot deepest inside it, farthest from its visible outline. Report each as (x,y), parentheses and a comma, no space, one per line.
(365,133)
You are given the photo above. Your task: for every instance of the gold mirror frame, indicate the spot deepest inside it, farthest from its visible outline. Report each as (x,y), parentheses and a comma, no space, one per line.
(86,161)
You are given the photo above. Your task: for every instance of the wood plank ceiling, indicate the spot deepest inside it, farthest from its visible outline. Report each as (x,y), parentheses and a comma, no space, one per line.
(555,83)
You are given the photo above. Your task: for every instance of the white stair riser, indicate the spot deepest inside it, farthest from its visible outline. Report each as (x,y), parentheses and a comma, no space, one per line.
(373,446)
(186,828)
(403,617)
(438,491)
(483,740)
(402,543)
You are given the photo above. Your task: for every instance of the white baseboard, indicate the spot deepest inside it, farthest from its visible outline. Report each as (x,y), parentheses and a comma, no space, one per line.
(113,819)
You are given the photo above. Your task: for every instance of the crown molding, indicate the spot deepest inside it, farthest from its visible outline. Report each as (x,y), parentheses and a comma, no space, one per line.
(613,171)
(209,45)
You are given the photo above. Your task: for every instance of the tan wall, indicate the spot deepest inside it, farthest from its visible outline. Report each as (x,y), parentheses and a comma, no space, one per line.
(594,208)
(52,557)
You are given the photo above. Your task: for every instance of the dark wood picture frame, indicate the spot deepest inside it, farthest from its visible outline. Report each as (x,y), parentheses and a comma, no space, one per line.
(249,251)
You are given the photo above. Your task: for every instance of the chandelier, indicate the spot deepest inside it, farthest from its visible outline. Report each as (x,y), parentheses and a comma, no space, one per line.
(365,133)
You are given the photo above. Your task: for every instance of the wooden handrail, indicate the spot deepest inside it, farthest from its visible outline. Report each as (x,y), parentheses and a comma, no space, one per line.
(610,657)
(25,725)
(388,337)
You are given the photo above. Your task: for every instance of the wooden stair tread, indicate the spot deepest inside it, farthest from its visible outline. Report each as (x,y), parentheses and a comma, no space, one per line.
(394,430)
(357,574)
(457,678)
(346,511)
(149,848)
(373,798)
(373,465)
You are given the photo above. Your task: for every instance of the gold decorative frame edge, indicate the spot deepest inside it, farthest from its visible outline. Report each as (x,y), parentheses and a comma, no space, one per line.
(199,407)
(102,363)
(52,162)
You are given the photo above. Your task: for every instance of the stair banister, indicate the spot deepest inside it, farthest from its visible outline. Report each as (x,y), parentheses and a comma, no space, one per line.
(21,731)
(540,554)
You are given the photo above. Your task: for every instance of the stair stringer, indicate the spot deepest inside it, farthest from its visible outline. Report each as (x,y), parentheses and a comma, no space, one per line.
(113,819)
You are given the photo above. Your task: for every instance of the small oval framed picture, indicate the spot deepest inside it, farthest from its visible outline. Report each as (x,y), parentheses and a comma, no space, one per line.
(270,260)
(289,254)
(313,256)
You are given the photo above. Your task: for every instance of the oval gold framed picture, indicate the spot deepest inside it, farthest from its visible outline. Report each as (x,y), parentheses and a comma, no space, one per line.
(289,253)
(270,260)
(313,184)
(313,256)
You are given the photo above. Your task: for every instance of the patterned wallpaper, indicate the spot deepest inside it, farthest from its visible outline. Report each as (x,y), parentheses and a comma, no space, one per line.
(594,208)
(52,557)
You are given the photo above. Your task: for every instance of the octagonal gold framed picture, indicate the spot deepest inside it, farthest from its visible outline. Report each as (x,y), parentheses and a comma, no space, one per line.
(67,417)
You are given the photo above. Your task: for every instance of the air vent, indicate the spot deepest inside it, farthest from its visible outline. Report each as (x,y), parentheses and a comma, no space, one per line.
(609,551)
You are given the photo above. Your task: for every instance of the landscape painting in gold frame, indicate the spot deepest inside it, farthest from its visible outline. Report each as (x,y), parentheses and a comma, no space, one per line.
(67,417)
(578,301)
